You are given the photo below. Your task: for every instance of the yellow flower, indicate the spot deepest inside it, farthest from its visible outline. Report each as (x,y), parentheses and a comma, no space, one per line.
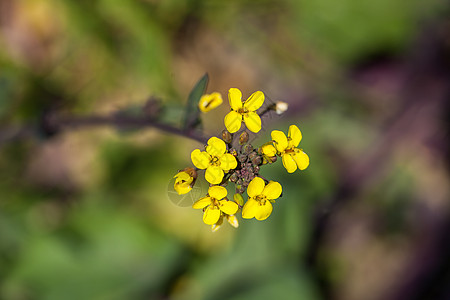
(215,160)
(244,111)
(292,157)
(260,196)
(184,181)
(214,205)
(209,101)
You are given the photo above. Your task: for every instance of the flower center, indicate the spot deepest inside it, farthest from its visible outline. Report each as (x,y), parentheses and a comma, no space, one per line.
(214,203)
(289,150)
(242,110)
(261,199)
(214,161)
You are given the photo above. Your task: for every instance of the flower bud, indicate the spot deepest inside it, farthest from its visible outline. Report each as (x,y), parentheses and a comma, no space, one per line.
(240,189)
(238,199)
(234,177)
(248,148)
(273,159)
(242,158)
(233,220)
(281,107)
(227,137)
(257,160)
(252,155)
(243,138)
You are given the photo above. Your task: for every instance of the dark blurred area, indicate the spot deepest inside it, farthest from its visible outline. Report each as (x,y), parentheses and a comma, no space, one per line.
(84,206)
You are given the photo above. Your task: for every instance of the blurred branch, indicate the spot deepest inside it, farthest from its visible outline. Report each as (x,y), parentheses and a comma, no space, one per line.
(52,124)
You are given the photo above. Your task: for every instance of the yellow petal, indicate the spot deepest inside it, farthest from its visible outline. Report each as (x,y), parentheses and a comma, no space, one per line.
(228,162)
(233,121)
(202,203)
(269,150)
(255,187)
(235,98)
(211,215)
(272,190)
(214,175)
(254,101)
(252,121)
(228,207)
(216,226)
(182,188)
(233,221)
(294,136)
(216,147)
(217,192)
(263,211)
(301,159)
(183,177)
(279,140)
(289,163)
(200,159)
(209,102)
(250,208)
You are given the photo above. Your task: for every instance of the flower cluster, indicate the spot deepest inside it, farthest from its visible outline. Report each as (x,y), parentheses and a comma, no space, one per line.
(231,159)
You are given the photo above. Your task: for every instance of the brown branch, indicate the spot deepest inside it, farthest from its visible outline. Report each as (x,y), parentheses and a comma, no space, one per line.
(52,124)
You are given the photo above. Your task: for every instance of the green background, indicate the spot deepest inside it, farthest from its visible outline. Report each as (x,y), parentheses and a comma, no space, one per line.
(85,213)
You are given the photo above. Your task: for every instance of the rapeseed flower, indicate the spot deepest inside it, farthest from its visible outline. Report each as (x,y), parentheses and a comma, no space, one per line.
(260,198)
(215,160)
(244,111)
(214,204)
(286,147)
(184,180)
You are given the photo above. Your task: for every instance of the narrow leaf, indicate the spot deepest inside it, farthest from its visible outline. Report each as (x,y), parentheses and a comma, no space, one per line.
(192,116)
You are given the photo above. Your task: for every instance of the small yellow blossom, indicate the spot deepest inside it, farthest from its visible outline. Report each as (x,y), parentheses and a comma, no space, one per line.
(215,160)
(210,101)
(214,205)
(260,196)
(286,147)
(244,111)
(184,180)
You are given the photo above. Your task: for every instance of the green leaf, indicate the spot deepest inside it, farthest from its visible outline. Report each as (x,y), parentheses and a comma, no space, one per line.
(192,117)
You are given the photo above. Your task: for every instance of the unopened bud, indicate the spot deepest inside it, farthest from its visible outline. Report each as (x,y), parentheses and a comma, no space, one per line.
(227,137)
(273,159)
(281,107)
(243,138)
(191,172)
(238,199)
(233,220)
(234,177)
(248,148)
(242,158)
(257,160)
(252,155)
(240,189)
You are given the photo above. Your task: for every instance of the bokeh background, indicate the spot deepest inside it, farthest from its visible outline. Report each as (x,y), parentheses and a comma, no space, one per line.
(84,208)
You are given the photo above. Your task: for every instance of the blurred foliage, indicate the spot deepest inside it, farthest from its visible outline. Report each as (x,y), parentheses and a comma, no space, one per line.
(85,214)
